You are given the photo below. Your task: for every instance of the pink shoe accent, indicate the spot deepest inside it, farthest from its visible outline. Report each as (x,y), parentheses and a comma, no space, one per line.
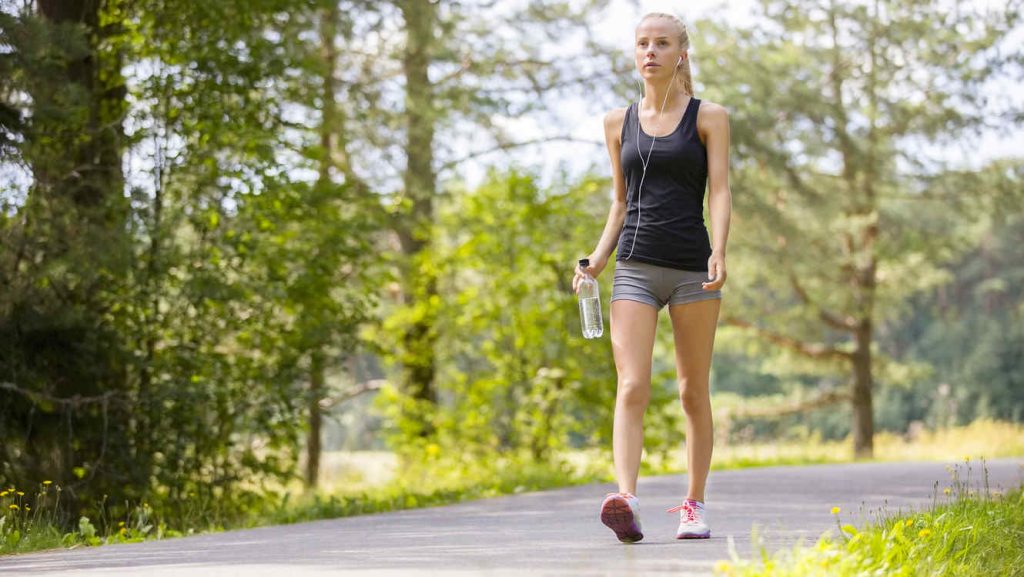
(692,524)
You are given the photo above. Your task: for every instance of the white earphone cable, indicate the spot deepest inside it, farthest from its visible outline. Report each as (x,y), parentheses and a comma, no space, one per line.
(639,188)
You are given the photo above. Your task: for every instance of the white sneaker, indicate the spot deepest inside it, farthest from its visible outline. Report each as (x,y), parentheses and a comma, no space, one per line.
(621,513)
(692,520)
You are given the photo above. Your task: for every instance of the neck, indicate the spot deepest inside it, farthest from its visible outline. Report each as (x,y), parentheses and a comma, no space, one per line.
(655,94)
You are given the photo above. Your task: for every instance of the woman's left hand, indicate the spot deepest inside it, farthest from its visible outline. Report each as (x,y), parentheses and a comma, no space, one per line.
(716,272)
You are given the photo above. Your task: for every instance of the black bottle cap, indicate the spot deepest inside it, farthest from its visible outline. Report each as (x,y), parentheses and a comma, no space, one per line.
(584,262)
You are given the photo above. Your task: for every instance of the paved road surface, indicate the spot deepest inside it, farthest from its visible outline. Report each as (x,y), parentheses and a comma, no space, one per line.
(555,533)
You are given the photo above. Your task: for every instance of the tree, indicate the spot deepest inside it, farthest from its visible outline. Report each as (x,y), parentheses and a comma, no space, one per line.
(447,86)
(167,324)
(63,364)
(831,102)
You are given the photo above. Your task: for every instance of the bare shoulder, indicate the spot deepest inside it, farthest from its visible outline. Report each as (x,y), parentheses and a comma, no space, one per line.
(712,120)
(712,112)
(613,123)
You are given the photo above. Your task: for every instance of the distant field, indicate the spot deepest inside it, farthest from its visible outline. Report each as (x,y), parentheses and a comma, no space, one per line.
(349,471)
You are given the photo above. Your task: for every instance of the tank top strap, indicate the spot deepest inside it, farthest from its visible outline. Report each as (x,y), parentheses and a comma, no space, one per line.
(628,130)
(690,116)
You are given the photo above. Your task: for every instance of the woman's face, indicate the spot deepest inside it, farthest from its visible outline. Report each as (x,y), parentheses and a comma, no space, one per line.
(657,48)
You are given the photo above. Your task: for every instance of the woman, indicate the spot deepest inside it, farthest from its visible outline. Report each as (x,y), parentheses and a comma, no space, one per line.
(664,159)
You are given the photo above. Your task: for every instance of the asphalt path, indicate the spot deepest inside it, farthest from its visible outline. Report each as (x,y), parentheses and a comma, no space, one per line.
(554,533)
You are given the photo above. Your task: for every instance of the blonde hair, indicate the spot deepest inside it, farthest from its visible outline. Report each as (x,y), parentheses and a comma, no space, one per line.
(686,78)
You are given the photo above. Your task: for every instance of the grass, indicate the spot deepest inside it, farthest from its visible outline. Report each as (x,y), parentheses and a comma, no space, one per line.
(980,439)
(967,532)
(424,486)
(368,482)
(29,522)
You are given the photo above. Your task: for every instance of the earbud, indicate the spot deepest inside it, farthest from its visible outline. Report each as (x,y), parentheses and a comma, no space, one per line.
(680,63)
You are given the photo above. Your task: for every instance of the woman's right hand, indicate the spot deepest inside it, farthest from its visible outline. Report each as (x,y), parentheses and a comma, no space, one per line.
(596,266)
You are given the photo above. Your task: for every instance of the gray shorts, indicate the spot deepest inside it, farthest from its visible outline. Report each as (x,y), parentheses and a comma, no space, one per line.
(659,285)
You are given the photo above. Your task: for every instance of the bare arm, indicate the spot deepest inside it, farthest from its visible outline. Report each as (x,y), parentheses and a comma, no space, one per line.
(713,123)
(617,213)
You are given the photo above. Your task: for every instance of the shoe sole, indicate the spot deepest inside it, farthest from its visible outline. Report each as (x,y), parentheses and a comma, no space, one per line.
(694,536)
(616,514)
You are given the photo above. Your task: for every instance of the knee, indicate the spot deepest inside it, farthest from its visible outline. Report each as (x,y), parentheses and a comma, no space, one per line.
(693,395)
(634,393)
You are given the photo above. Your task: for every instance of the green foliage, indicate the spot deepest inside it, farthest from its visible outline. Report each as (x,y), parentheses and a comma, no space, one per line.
(159,339)
(830,183)
(197,231)
(970,331)
(969,531)
(514,371)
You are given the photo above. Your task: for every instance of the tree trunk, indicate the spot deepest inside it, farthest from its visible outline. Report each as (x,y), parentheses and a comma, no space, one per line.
(863,413)
(414,229)
(81,248)
(96,179)
(316,392)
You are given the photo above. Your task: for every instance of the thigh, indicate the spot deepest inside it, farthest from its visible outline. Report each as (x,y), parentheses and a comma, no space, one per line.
(693,326)
(633,326)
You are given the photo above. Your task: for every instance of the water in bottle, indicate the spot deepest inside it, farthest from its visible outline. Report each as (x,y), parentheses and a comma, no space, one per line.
(590,304)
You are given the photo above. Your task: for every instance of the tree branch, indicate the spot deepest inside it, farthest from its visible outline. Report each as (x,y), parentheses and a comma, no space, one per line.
(510,145)
(822,400)
(74,401)
(810,350)
(345,396)
(847,323)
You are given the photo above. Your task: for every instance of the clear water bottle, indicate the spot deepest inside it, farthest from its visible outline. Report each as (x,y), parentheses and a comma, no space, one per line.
(590,304)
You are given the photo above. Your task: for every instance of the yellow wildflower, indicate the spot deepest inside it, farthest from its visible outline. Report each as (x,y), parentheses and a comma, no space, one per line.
(909,522)
(723,567)
(924,533)
(47,482)
(13,507)
(27,508)
(21,493)
(3,493)
(947,491)
(835,510)
(123,531)
(120,524)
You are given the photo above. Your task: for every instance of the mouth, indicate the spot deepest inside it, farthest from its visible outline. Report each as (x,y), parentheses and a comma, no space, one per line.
(651,64)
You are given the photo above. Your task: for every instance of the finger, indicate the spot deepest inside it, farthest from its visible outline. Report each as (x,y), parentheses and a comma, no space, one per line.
(712,273)
(715,284)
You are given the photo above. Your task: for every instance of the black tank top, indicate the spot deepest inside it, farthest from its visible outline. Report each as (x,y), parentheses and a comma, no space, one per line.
(671,213)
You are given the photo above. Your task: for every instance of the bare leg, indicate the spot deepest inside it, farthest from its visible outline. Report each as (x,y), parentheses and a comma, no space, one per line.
(693,326)
(633,325)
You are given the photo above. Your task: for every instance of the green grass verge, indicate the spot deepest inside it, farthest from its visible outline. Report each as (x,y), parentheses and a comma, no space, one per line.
(433,485)
(29,523)
(967,532)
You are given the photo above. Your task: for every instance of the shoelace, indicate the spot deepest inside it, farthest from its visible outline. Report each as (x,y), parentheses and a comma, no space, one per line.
(691,514)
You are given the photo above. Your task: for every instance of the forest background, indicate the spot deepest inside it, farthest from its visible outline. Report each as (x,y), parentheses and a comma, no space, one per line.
(236,236)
